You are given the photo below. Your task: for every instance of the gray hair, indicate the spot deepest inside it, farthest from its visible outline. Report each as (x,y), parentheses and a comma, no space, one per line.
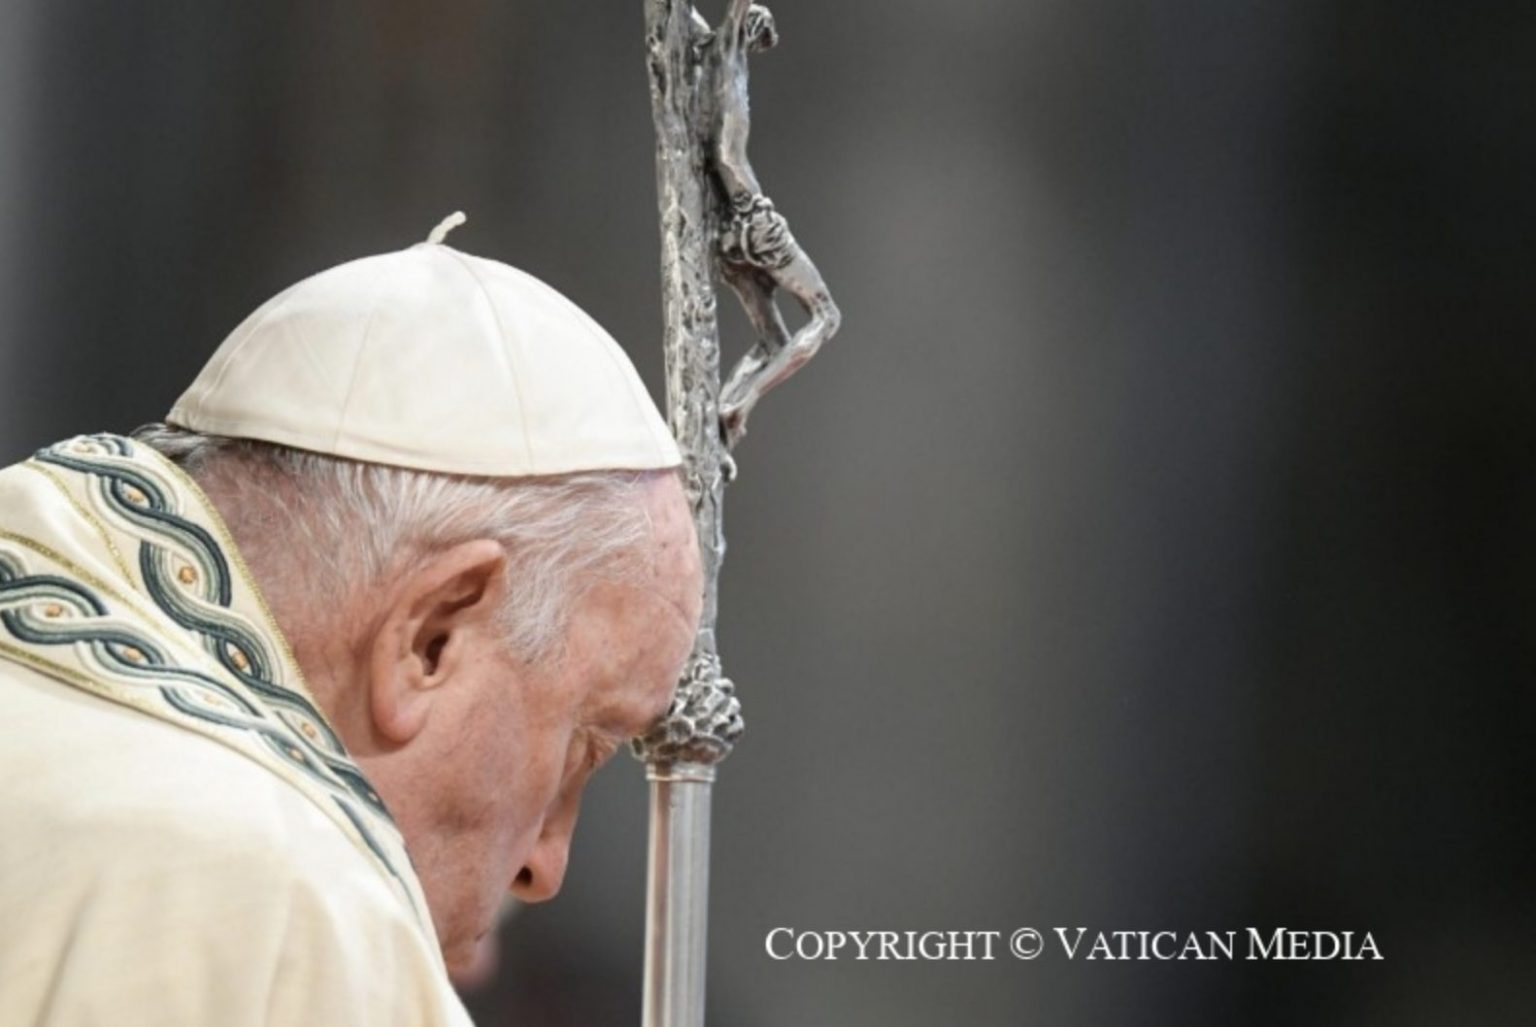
(312,526)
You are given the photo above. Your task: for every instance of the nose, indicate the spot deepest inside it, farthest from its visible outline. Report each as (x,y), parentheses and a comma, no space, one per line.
(544,872)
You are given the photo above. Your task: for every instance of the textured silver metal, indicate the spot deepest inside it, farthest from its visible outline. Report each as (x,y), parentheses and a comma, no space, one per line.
(759,254)
(704,720)
(715,219)
(690,214)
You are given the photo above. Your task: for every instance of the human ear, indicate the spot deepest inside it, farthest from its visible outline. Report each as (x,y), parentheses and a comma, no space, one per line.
(434,613)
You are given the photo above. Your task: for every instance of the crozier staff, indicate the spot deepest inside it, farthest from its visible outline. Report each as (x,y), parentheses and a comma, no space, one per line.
(296,686)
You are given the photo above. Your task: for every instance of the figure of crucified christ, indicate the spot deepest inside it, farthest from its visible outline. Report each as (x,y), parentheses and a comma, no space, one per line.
(759,255)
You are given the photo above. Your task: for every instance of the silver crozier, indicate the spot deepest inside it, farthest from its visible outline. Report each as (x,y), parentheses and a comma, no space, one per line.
(714,218)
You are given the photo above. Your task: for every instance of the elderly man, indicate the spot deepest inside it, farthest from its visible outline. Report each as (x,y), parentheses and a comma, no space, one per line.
(296,686)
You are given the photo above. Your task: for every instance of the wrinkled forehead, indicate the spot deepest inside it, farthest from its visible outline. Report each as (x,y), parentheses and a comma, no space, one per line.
(636,655)
(673,567)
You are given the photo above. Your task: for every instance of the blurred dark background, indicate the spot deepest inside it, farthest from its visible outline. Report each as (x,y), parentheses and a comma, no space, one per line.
(1153,549)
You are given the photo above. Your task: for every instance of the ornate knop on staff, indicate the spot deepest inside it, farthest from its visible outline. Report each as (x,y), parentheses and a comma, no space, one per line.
(714,217)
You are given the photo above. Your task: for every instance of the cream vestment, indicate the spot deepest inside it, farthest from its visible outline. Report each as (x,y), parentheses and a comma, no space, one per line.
(183,838)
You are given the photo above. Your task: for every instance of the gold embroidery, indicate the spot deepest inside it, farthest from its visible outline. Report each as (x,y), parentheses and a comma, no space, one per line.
(90,518)
(50,668)
(80,572)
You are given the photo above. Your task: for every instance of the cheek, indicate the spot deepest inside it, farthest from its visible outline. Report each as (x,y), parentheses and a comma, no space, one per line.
(519,741)
(525,776)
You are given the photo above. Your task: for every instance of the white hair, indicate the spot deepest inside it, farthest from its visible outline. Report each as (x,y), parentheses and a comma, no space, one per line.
(313,527)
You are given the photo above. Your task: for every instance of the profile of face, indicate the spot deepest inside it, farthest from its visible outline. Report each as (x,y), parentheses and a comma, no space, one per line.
(482,758)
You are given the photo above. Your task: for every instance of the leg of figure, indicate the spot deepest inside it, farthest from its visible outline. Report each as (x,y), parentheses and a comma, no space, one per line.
(739,394)
(804,282)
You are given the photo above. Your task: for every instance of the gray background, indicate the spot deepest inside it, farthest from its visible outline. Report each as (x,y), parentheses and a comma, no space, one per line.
(1152,550)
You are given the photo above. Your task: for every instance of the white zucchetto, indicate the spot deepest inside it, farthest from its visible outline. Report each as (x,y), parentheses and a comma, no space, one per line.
(436,360)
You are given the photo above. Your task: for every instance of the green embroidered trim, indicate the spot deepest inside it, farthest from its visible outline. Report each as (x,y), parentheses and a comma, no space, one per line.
(187,573)
(84,575)
(214,518)
(90,518)
(40,610)
(190,575)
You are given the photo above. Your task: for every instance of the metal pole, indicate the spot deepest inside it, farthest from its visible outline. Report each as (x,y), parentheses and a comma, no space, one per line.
(677,900)
(714,220)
